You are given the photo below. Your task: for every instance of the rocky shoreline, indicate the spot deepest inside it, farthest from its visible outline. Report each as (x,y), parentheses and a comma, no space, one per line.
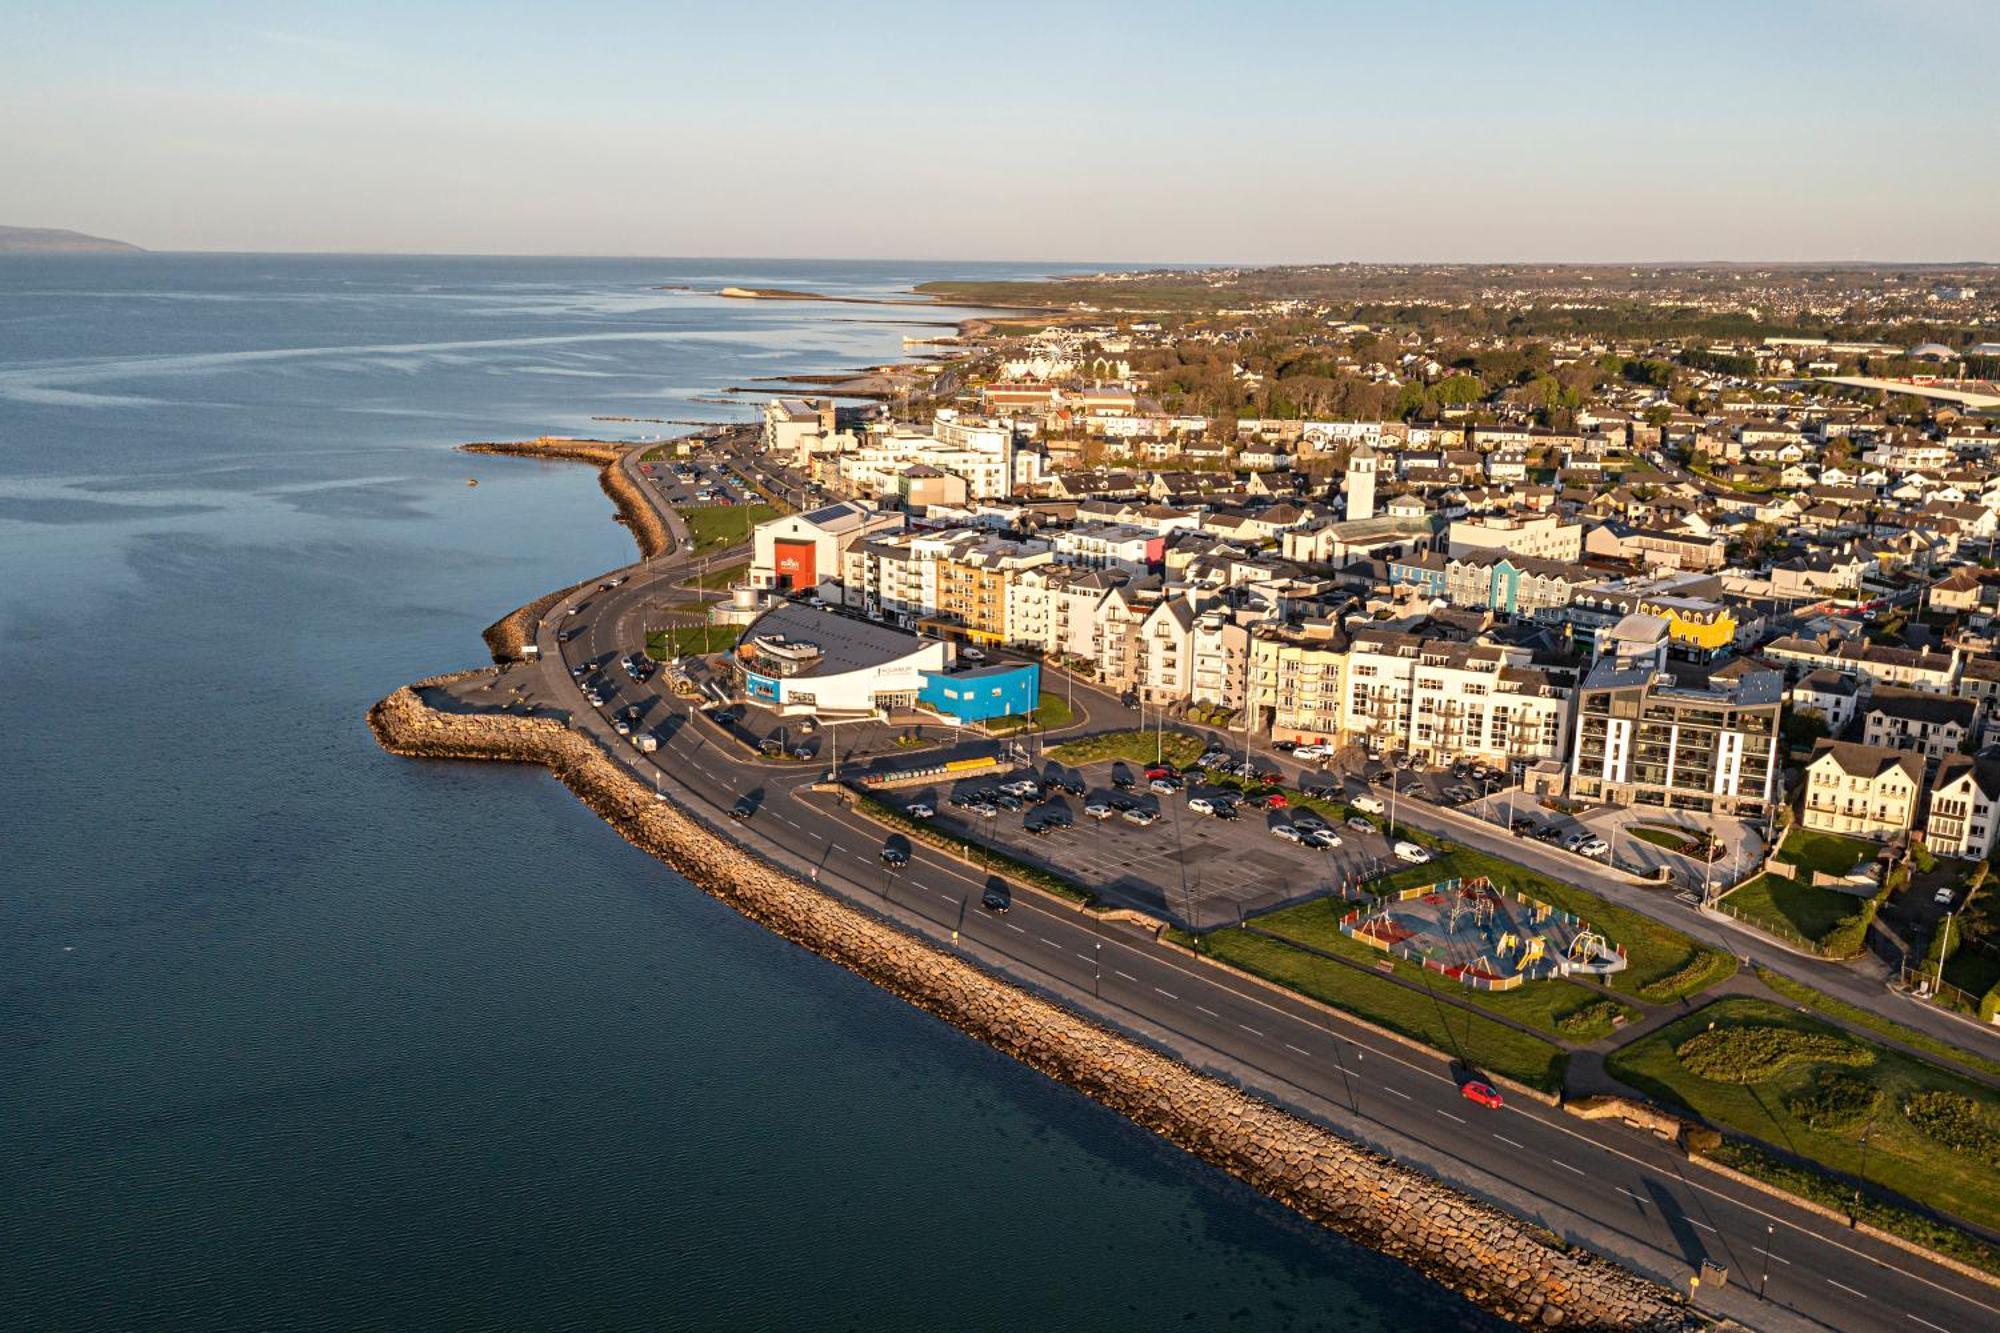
(649,530)
(1498,1261)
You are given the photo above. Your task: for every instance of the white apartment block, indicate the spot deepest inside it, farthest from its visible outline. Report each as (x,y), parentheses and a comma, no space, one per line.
(1545,536)
(1965,808)
(1862,791)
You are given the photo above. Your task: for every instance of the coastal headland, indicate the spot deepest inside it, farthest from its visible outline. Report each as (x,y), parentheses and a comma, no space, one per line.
(1504,1264)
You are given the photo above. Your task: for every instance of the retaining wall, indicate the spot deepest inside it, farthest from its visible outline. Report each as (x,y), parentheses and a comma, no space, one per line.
(1497,1260)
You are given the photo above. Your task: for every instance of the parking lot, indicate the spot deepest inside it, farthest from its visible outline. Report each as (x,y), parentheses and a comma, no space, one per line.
(1197,869)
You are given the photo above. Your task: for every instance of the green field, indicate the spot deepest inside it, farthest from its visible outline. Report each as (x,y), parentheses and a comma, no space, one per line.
(1792,909)
(1827,852)
(1563,1010)
(1178,748)
(1051,711)
(1853,1016)
(681,640)
(1820,1110)
(721,577)
(1663,963)
(712,526)
(1477,1040)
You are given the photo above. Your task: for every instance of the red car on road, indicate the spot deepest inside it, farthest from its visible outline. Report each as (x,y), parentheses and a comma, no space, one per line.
(1484,1093)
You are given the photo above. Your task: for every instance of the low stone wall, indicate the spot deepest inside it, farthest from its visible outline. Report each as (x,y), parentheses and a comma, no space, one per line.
(1498,1261)
(1637,1114)
(635,510)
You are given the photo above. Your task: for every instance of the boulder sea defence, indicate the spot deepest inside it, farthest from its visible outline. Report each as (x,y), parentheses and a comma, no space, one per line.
(1496,1260)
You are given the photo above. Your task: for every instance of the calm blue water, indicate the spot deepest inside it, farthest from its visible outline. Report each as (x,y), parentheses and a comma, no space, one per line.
(297,1035)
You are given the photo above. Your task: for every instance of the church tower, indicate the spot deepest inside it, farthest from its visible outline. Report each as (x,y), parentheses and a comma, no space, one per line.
(1360,483)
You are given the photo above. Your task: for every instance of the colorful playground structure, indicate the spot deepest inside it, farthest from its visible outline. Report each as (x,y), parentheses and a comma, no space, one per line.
(1484,937)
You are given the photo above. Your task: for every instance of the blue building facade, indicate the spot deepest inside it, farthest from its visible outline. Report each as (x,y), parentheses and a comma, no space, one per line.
(983,694)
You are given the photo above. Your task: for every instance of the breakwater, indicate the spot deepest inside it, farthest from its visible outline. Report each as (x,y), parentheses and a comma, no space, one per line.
(1500,1262)
(649,530)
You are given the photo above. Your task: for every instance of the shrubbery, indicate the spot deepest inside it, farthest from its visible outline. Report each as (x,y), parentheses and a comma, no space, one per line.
(1759,1052)
(1591,1019)
(1957,1121)
(1836,1101)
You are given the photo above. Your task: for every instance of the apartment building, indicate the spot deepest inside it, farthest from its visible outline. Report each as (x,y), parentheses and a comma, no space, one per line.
(1441,700)
(1909,668)
(1862,791)
(1931,725)
(1543,536)
(1646,735)
(1295,680)
(1965,808)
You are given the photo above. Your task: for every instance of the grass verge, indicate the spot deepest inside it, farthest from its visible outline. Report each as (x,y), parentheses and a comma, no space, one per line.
(1138,747)
(681,640)
(720,578)
(1854,1016)
(1882,1146)
(711,526)
(1051,711)
(1477,1040)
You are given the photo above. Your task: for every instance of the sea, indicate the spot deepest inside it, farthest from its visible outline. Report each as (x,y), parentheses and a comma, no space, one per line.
(297,1035)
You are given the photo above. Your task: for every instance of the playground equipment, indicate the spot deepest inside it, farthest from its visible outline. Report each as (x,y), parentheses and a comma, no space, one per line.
(1531,953)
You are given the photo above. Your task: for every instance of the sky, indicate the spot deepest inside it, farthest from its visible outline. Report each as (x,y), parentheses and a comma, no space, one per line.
(1224,132)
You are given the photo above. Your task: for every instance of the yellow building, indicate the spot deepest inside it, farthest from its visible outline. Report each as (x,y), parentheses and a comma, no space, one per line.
(1296,679)
(1693,621)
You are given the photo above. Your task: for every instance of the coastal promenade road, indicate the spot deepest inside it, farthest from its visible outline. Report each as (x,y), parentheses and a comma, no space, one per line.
(1615,1190)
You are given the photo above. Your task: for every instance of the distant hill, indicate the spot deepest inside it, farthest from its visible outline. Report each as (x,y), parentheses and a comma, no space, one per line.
(54,240)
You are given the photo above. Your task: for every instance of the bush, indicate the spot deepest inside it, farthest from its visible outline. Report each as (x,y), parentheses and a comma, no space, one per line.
(1700,972)
(1759,1052)
(1589,1019)
(1836,1101)
(1699,1140)
(1959,1122)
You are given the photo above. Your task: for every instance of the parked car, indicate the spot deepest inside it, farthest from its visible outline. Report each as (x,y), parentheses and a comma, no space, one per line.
(1201,805)
(984,809)
(771,747)
(1371,804)
(743,809)
(1165,786)
(1160,770)
(1522,827)
(1123,803)
(1273,800)
(1099,810)
(1225,810)
(1593,847)
(920,811)
(1141,816)
(1008,801)
(1287,832)
(1322,838)
(1360,825)
(1409,851)
(1943,896)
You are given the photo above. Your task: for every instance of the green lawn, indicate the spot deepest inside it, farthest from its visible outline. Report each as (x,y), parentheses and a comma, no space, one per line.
(720,578)
(1137,747)
(1477,1040)
(1663,964)
(712,526)
(1563,1010)
(1051,711)
(1827,852)
(681,640)
(1902,1158)
(1853,1016)
(1791,908)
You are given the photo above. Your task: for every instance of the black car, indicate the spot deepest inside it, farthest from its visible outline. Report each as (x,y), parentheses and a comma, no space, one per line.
(1039,827)
(895,857)
(1072,786)
(726,717)
(1057,819)
(1122,780)
(995,899)
(743,809)
(1007,801)
(1225,810)
(1123,803)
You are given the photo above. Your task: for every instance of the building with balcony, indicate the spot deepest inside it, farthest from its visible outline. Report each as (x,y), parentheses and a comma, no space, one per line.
(1861,791)
(1965,808)
(1677,738)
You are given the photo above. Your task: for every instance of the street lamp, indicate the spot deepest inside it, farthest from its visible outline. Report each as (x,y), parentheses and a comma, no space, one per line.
(1770,1234)
(1854,1214)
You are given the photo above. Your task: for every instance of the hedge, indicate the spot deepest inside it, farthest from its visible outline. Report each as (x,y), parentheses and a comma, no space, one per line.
(1758,1052)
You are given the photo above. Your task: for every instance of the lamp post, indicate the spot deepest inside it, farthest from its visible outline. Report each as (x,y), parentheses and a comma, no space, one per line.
(1854,1214)
(1770,1234)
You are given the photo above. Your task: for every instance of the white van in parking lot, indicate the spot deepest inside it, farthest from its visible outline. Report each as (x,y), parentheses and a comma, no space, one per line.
(1409,851)
(1368,804)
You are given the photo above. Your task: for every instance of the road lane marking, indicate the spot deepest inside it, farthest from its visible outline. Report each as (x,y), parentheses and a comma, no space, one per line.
(1704,1226)
(1300,1049)
(1127,975)
(1630,1195)
(1169,994)
(1399,1092)
(1086,957)
(1046,940)
(1449,1116)
(1759,1249)
(1567,1167)
(1016,929)
(1849,1290)
(1204,1008)
(1252,1031)
(836,846)
(1925,1322)
(1509,1142)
